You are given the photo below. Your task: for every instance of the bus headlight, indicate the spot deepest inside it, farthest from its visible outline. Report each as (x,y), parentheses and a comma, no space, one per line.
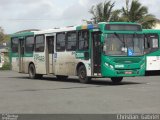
(107,64)
(111,67)
(142,66)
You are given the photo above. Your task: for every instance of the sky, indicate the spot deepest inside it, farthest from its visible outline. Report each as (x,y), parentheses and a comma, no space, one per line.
(19,15)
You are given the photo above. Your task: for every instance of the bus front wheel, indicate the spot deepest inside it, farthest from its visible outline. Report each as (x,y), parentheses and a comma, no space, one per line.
(116,80)
(32,72)
(82,74)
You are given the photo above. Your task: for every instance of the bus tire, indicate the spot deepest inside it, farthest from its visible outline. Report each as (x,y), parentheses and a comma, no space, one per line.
(61,77)
(116,80)
(32,72)
(82,74)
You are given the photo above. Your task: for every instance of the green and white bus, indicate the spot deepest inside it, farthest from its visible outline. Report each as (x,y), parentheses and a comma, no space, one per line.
(107,50)
(152,52)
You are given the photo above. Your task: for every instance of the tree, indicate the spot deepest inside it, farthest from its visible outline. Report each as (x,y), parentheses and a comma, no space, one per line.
(3,37)
(102,12)
(116,16)
(135,12)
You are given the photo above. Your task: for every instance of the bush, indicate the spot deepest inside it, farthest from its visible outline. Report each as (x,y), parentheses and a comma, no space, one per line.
(6,66)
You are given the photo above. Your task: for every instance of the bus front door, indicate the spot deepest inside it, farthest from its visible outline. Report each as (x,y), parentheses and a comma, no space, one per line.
(21,55)
(50,54)
(96,53)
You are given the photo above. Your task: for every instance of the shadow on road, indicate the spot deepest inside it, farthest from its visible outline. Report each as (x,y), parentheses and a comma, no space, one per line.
(93,82)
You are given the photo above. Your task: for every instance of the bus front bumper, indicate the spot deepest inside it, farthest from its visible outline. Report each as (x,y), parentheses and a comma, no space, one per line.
(110,72)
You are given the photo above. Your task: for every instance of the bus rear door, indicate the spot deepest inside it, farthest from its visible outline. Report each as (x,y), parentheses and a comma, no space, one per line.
(50,54)
(21,55)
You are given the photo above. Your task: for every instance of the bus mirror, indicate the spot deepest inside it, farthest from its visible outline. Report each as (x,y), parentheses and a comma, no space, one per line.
(86,55)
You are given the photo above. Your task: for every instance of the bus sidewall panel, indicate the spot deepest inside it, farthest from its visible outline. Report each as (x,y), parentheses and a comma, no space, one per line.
(40,63)
(15,64)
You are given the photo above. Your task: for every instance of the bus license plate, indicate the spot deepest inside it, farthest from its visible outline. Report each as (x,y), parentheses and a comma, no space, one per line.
(128,72)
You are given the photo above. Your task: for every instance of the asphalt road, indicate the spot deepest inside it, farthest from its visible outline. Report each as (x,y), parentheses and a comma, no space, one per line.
(18,94)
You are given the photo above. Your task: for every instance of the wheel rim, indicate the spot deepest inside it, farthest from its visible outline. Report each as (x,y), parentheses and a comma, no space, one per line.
(82,73)
(31,72)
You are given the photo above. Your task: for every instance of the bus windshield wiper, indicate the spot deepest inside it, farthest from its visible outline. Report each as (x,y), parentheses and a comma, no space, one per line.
(119,38)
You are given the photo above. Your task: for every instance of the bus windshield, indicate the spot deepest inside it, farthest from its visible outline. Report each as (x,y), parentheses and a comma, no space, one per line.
(124,44)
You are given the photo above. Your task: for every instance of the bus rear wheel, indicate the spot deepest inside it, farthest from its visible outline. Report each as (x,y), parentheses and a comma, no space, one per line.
(32,72)
(82,74)
(116,80)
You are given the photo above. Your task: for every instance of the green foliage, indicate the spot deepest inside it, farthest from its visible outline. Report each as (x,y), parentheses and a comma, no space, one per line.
(116,16)
(3,37)
(102,11)
(6,66)
(134,11)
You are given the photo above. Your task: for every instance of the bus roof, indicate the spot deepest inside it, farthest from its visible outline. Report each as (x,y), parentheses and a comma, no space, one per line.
(102,25)
(55,30)
(151,31)
(131,23)
(22,34)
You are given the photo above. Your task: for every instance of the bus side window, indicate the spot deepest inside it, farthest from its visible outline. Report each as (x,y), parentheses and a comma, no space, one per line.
(60,42)
(71,41)
(14,45)
(22,46)
(39,43)
(29,44)
(146,42)
(151,43)
(154,42)
(83,40)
